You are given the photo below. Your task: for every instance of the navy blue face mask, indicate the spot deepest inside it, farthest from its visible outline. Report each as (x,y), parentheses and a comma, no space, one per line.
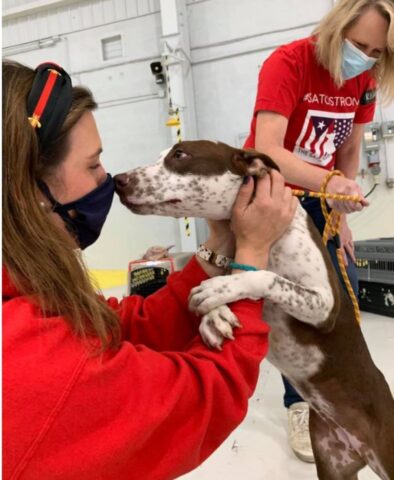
(92,210)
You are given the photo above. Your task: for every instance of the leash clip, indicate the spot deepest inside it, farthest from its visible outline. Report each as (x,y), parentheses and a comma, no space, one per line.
(336,240)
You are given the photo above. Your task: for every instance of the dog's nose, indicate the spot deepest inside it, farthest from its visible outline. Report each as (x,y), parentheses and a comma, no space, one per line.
(121,181)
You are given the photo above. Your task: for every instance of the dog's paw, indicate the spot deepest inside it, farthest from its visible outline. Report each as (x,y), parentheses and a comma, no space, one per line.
(217,325)
(214,292)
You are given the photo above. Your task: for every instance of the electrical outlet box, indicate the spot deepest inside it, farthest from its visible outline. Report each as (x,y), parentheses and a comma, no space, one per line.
(371,137)
(388,129)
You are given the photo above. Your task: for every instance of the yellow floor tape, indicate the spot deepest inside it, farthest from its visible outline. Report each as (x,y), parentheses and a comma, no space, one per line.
(109,278)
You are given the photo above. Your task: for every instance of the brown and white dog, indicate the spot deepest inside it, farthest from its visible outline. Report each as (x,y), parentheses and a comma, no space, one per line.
(315,340)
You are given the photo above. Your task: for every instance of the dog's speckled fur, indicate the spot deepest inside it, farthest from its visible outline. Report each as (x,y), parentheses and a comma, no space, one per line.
(314,340)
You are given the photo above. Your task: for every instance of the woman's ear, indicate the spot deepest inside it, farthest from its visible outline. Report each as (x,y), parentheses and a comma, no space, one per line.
(252,162)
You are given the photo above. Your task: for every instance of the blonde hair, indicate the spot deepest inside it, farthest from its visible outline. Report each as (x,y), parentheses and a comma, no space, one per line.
(40,259)
(332,30)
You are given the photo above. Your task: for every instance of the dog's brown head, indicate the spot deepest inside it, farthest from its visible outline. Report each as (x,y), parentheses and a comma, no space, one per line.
(193,178)
(214,158)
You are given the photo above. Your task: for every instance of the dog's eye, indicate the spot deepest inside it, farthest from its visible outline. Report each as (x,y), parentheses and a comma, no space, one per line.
(179,154)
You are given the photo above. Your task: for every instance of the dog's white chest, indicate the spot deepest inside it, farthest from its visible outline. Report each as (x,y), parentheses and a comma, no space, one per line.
(296,258)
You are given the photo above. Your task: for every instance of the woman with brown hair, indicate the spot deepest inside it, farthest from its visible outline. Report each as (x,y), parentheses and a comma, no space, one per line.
(313,98)
(108,390)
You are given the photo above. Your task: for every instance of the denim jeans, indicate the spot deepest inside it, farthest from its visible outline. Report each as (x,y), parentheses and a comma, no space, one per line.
(312,206)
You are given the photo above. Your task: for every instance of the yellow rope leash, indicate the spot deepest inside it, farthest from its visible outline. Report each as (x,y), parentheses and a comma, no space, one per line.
(332,227)
(325,195)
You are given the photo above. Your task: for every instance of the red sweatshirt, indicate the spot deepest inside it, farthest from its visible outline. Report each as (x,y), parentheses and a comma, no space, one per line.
(152,410)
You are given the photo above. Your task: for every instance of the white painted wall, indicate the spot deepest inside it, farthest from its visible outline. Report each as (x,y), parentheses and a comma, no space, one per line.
(132,111)
(229,40)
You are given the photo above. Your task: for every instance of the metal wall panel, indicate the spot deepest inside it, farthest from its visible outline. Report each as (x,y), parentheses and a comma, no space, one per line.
(69,17)
(8,4)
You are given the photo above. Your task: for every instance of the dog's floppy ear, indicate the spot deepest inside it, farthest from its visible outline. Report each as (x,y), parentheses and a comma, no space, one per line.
(252,162)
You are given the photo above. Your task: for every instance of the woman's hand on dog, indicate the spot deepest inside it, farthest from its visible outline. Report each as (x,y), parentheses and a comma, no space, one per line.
(262,212)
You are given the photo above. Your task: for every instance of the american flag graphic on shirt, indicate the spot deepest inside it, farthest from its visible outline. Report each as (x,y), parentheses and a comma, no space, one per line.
(322,134)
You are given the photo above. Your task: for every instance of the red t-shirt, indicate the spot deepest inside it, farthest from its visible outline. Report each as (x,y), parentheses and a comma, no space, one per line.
(321,115)
(152,410)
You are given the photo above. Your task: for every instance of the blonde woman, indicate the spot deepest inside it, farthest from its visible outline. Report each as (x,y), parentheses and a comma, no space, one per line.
(313,98)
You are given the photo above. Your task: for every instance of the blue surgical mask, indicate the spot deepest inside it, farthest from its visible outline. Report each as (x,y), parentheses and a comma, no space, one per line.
(354,61)
(92,210)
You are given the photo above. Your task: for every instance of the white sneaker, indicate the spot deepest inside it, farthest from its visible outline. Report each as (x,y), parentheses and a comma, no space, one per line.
(299,438)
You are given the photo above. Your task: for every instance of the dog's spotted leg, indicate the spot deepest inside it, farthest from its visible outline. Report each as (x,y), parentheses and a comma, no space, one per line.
(309,305)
